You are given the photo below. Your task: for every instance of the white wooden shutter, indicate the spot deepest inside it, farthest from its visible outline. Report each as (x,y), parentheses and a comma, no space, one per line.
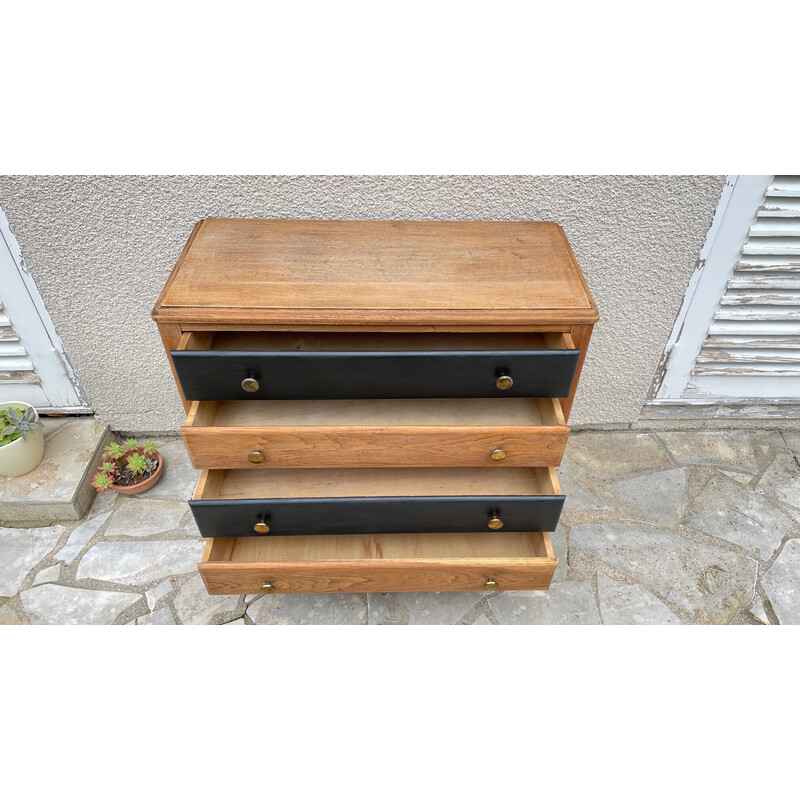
(15,366)
(752,349)
(33,365)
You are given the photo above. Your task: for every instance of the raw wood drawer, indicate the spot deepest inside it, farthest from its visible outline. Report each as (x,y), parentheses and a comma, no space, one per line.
(240,503)
(288,366)
(495,432)
(372,563)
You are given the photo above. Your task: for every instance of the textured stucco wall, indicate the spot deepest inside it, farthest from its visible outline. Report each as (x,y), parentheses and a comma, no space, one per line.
(100,250)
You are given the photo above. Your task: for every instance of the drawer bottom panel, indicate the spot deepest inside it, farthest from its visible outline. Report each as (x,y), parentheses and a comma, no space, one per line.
(377,563)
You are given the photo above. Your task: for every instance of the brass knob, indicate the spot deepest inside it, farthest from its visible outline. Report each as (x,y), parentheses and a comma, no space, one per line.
(256,457)
(495,523)
(267,587)
(497,455)
(261,527)
(491,584)
(250,385)
(505,382)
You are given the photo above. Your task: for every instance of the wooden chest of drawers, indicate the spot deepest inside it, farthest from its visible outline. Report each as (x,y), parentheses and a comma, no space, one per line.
(376,406)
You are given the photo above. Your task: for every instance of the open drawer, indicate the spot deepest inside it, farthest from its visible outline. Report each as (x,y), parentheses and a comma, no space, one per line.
(297,502)
(294,366)
(375,433)
(375,563)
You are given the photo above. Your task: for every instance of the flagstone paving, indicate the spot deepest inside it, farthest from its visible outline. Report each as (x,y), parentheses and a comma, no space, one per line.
(664,528)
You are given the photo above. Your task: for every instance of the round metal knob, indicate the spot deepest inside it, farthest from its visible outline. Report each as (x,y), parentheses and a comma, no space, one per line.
(505,382)
(261,527)
(250,385)
(495,523)
(256,457)
(491,584)
(497,455)
(267,587)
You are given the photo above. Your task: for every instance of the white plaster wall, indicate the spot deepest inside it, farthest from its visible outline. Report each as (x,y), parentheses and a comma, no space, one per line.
(101,248)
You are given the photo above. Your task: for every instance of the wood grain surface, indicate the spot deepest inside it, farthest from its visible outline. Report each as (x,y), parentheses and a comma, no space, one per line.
(368,272)
(393,563)
(375,433)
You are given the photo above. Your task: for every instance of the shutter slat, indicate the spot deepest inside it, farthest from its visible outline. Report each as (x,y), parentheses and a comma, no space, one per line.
(760,299)
(22,376)
(763,370)
(758,314)
(766,342)
(782,265)
(776,228)
(15,364)
(771,248)
(10,348)
(764,281)
(744,357)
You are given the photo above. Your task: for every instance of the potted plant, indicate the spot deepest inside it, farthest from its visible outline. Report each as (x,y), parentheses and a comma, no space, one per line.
(21,439)
(129,467)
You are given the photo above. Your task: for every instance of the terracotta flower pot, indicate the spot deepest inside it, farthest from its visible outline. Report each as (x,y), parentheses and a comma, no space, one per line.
(22,455)
(149,483)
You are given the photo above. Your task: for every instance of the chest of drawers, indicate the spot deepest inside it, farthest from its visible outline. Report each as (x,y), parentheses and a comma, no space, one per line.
(376,406)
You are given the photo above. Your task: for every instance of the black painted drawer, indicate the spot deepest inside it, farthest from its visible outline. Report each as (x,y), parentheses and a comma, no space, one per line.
(320,501)
(279,366)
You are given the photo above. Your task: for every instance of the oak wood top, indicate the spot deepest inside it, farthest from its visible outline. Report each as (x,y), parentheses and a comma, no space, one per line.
(318,272)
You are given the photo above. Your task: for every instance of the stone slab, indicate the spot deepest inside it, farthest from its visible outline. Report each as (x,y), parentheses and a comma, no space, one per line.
(157,592)
(309,609)
(48,575)
(631,604)
(162,516)
(578,496)
(609,456)
(736,514)
(732,449)
(781,479)
(21,549)
(139,562)
(64,605)
(161,617)
(9,617)
(654,497)
(566,603)
(81,536)
(760,613)
(709,583)
(781,582)
(195,606)
(422,608)
(59,489)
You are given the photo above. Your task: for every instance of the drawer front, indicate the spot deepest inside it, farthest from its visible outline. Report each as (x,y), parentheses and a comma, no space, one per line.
(248,375)
(312,516)
(405,446)
(411,576)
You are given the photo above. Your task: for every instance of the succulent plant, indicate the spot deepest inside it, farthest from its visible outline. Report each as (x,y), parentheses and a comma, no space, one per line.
(128,461)
(18,423)
(102,481)
(137,463)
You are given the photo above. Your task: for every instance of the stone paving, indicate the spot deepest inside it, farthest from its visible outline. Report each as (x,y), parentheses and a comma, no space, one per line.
(663,528)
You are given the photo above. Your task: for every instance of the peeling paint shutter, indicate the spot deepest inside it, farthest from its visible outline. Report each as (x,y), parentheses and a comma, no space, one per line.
(15,366)
(33,366)
(752,349)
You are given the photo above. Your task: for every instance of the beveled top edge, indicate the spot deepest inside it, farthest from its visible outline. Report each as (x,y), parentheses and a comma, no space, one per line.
(584,313)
